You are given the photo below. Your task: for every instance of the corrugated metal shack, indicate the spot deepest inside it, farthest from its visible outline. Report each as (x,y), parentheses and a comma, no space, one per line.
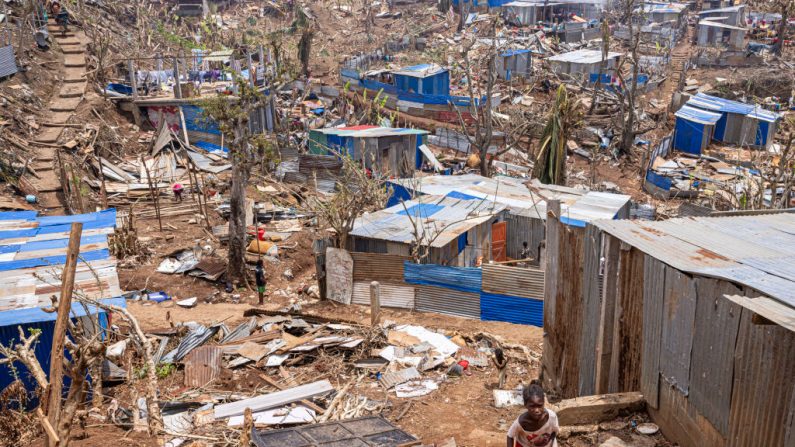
(512,64)
(696,313)
(718,33)
(455,231)
(694,129)
(32,254)
(740,123)
(580,64)
(732,15)
(527,208)
(387,150)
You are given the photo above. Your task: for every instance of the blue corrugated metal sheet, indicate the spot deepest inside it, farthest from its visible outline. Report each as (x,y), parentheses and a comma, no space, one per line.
(36,319)
(463,279)
(511,309)
(689,133)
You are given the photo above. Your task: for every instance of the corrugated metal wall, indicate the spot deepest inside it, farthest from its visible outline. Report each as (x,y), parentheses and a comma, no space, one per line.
(462,279)
(513,281)
(378,267)
(392,295)
(448,301)
(524,229)
(511,309)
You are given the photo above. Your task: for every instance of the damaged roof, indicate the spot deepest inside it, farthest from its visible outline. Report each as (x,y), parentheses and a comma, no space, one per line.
(755,251)
(420,70)
(369,131)
(439,219)
(33,252)
(577,206)
(583,56)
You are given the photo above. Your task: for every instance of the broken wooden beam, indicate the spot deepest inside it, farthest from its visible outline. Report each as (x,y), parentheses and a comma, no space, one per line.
(597,408)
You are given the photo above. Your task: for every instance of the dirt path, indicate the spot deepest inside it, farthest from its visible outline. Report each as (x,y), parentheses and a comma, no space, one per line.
(62,108)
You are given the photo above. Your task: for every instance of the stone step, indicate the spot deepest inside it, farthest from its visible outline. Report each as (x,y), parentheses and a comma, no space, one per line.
(49,135)
(74,60)
(74,74)
(67,41)
(65,104)
(73,49)
(59,117)
(72,90)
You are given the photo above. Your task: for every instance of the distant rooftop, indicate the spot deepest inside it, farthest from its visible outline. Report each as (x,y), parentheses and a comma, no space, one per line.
(369,131)
(717,104)
(720,10)
(583,56)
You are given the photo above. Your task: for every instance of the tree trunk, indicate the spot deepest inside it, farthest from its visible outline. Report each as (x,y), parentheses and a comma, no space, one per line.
(485,162)
(461,16)
(628,133)
(241,170)
(782,31)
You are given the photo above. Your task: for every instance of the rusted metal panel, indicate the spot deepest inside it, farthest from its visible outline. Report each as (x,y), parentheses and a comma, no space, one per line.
(392,295)
(202,366)
(653,300)
(677,330)
(513,281)
(448,301)
(714,340)
(591,301)
(762,395)
(682,424)
(551,351)
(565,324)
(607,309)
(625,365)
(378,267)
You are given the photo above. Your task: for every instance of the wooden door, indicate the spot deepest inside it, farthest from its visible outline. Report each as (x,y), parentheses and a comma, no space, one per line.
(499,233)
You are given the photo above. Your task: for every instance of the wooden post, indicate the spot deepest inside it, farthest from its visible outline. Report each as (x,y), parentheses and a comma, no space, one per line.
(178,85)
(59,334)
(102,191)
(375,303)
(155,192)
(134,84)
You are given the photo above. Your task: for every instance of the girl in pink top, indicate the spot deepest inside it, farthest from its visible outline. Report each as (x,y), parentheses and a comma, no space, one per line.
(538,426)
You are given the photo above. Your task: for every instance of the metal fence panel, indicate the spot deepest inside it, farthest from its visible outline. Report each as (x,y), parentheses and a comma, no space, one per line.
(462,279)
(448,301)
(513,281)
(511,309)
(392,295)
(679,310)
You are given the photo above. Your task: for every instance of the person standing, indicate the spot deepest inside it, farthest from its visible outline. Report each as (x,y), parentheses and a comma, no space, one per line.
(501,362)
(524,255)
(536,427)
(259,275)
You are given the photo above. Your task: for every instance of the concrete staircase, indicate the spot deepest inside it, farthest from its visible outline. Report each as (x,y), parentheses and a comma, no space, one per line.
(62,108)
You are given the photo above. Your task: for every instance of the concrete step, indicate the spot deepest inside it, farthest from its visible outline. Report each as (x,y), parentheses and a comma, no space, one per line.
(65,104)
(74,60)
(67,41)
(49,135)
(73,49)
(72,90)
(74,74)
(59,117)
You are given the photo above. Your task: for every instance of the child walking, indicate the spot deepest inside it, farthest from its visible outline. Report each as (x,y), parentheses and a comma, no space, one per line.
(538,426)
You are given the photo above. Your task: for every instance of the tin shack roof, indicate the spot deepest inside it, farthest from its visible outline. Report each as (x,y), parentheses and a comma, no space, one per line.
(583,56)
(718,104)
(420,71)
(713,24)
(697,115)
(33,252)
(736,8)
(439,219)
(755,251)
(577,206)
(664,8)
(369,131)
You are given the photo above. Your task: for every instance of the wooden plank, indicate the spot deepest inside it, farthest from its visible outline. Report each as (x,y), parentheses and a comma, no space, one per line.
(273,400)
(55,389)
(714,340)
(773,310)
(653,287)
(307,403)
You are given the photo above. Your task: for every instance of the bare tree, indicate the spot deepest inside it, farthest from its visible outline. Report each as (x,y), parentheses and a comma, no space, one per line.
(245,149)
(550,165)
(358,191)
